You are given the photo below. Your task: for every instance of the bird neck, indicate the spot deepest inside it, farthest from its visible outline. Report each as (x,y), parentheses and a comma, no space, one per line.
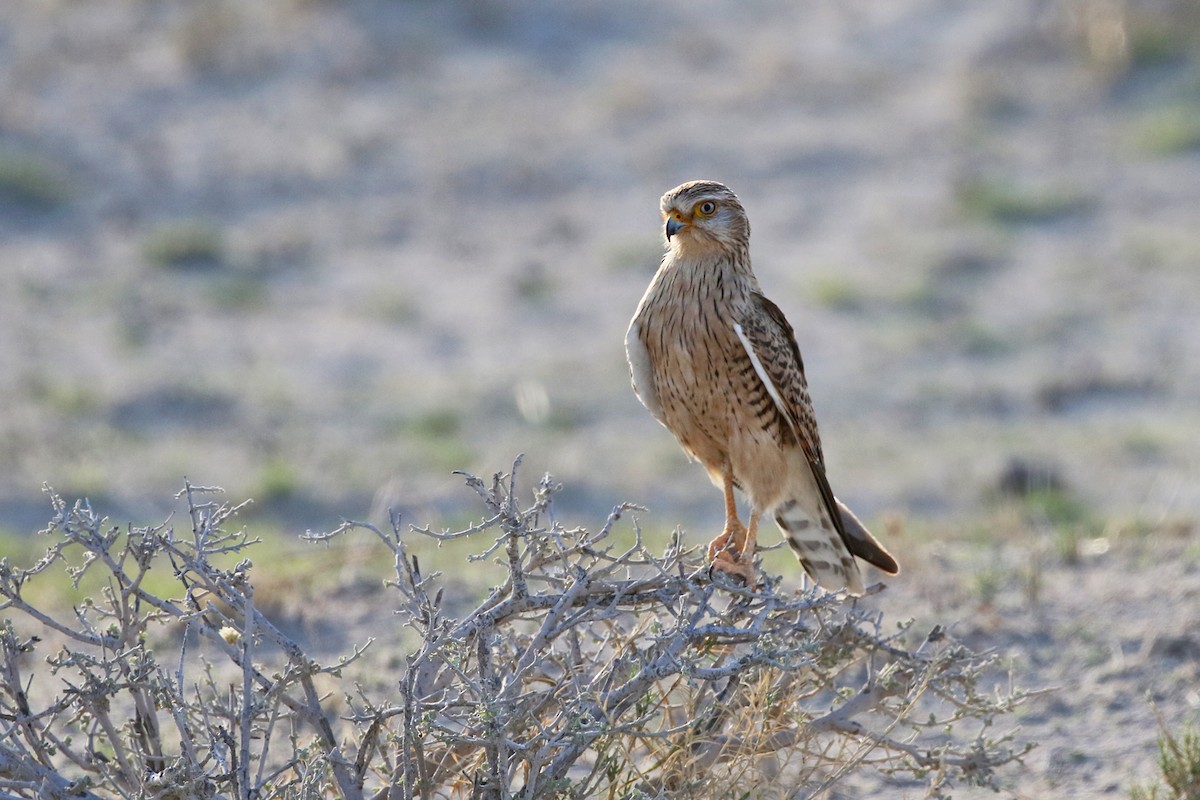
(706,264)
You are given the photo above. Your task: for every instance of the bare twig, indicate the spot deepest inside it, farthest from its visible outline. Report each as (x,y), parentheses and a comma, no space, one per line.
(597,668)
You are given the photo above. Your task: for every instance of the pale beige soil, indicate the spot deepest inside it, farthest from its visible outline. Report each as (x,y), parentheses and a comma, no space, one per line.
(433,220)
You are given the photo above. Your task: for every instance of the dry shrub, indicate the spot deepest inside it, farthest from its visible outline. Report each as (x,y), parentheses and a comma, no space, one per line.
(595,670)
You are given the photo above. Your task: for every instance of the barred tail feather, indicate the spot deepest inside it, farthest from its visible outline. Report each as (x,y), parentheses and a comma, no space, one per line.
(820,548)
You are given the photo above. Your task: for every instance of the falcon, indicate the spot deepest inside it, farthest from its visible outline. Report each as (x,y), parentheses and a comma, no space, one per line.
(717,364)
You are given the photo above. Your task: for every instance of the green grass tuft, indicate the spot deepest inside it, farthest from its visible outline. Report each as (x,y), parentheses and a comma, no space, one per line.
(277,480)
(33,182)
(436,424)
(1006,203)
(185,245)
(436,437)
(980,341)
(836,292)
(1179,763)
(1170,131)
(1059,507)
(64,397)
(1161,35)
(239,292)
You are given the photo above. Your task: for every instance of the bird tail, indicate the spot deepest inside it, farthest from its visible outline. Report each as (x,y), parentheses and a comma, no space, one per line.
(862,544)
(819,546)
(826,550)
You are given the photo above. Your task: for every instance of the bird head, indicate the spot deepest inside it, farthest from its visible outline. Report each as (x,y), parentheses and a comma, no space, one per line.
(704,215)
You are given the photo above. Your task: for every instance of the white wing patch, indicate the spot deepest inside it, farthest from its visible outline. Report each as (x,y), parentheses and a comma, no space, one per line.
(764,377)
(641,372)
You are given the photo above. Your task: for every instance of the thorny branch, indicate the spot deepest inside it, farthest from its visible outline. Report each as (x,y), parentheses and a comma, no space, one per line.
(595,668)
(624,658)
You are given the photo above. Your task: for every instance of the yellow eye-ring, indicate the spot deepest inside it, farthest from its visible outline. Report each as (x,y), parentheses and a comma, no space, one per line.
(706,209)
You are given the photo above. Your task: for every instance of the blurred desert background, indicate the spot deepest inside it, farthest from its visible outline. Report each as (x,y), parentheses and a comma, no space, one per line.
(323,253)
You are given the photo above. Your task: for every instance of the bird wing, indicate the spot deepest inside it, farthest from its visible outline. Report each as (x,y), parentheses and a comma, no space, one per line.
(641,371)
(770,343)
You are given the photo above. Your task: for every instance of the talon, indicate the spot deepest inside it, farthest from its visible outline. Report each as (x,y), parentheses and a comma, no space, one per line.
(729,542)
(734,566)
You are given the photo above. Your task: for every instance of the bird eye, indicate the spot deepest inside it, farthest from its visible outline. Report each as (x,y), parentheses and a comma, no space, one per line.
(707,208)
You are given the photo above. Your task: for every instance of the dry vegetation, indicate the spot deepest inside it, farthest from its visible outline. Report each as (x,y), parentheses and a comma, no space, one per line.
(322,253)
(593,670)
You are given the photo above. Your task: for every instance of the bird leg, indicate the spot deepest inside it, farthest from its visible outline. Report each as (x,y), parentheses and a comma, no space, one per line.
(732,552)
(733,526)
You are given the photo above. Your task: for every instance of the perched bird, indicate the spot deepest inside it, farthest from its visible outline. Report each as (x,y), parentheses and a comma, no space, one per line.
(717,364)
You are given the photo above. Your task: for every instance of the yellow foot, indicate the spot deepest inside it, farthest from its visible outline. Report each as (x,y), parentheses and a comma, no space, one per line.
(731,539)
(733,551)
(735,566)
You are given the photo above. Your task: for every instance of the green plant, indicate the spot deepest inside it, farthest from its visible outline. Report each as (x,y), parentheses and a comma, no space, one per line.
(394,307)
(435,434)
(239,292)
(64,397)
(277,480)
(32,181)
(1170,131)
(1161,32)
(987,583)
(981,341)
(534,284)
(1010,203)
(436,424)
(185,244)
(836,292)
(1059,507)
(1179,763)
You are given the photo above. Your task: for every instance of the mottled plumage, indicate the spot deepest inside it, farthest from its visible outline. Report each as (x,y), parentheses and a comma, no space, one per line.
(717,364)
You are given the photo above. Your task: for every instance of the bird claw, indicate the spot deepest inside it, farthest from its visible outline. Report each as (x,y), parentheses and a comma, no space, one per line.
(730,564)
(728,543)
(727,554)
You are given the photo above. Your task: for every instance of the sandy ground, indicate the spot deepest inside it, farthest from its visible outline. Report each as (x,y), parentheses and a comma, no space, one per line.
(323,253)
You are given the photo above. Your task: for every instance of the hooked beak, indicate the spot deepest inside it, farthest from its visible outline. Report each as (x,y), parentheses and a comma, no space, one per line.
(674,226)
